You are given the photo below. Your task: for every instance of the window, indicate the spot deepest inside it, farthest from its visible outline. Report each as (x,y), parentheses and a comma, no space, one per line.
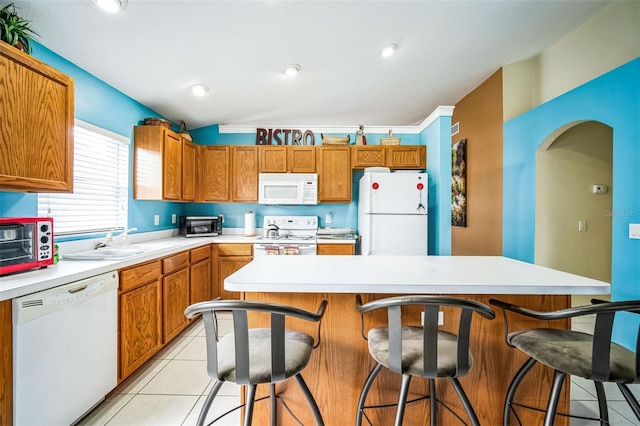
(100,185)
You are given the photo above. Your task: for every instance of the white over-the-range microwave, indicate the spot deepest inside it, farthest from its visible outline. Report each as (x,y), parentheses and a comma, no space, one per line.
(288,188)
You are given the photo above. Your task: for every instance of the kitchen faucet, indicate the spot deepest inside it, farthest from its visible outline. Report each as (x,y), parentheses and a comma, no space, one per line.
(111,241)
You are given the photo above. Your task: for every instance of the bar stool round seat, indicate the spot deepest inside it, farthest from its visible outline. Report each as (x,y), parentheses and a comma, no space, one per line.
(572,352)
(412,350)
(297,349)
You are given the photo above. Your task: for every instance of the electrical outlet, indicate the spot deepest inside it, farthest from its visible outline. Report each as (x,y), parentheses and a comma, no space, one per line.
(156,219)
(173,218)
(328,218)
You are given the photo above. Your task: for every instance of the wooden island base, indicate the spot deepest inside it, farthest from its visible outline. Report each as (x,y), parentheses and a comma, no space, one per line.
(340,365)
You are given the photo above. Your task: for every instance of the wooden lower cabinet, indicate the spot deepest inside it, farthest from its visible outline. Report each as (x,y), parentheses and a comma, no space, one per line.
(200,275)
(153,297)
(140,320)
(335,249)
(227,259)
(175,294)
(175,299)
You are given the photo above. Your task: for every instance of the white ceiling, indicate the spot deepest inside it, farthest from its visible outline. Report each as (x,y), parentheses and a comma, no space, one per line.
(154,50)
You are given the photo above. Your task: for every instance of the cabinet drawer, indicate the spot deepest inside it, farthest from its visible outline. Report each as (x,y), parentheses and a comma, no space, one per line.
(138,275)
(336,249)
(235,249)
(200,253)
(175,263)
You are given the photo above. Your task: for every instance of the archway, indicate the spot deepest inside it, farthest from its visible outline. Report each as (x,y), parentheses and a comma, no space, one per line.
(573,224)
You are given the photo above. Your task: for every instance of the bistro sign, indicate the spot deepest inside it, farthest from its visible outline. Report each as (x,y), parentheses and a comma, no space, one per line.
(284,137)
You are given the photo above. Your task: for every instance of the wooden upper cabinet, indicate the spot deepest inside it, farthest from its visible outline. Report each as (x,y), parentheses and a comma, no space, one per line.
(334,174)
(188,170)
(164,165)
(214,173)
(284,159)
(367,156)
(36,116)
(244,173)
(301,159)
(273,159)
(398,157)
(407,157)
(172,167)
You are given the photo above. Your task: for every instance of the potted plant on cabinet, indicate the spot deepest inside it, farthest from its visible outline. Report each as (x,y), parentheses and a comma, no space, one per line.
(14,29)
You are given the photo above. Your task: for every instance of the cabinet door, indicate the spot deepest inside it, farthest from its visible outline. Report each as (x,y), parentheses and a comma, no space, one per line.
(140,326)
(175,299)
(302,159)
(201,282)
(227,265)
(334,174)
(36,115)
(188,170)
(172,167)
(335,249)
(244,176)
(367,156)
(214,184)
(407,157)
(273,159)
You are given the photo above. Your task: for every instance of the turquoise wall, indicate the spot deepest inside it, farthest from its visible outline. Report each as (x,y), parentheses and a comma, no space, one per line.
(437,138)
(612,99)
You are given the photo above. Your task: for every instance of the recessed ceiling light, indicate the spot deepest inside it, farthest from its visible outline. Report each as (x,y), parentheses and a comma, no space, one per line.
(292,70)
(112,5)
(388,50)
(199,89)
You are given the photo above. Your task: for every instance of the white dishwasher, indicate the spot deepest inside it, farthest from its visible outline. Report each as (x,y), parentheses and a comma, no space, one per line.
(64,350)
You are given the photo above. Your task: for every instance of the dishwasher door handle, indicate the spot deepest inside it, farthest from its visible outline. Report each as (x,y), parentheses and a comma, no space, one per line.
(76,290)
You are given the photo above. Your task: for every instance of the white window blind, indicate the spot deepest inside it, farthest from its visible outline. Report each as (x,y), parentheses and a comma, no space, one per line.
(100,185)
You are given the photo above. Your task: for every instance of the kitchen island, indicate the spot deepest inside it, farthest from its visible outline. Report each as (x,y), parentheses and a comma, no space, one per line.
(339,367)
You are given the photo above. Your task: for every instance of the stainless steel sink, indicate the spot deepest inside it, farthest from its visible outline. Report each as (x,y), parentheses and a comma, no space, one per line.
(119,252)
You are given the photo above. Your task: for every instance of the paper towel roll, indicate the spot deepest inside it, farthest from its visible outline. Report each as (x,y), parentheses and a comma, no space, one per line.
(249,224)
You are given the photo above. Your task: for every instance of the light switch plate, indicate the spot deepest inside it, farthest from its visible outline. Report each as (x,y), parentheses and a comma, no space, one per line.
(634,231)
(156,219)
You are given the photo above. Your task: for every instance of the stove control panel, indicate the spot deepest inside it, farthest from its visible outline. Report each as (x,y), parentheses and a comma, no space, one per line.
(291,222)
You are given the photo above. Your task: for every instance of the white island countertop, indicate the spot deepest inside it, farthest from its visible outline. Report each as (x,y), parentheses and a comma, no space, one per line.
(408,275)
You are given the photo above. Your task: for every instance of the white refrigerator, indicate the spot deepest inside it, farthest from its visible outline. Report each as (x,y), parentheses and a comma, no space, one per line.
(392,213)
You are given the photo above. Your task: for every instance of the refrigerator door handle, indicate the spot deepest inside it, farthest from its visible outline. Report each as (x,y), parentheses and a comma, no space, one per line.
(370,233)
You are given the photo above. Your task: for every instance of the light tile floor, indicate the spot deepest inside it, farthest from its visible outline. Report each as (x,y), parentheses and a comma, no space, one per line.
(171,388)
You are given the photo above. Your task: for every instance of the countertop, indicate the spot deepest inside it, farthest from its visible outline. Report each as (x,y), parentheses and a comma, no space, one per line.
(67,271)
(407,274)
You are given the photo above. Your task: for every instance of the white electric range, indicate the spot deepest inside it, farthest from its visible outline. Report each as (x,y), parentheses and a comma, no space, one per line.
(287,235)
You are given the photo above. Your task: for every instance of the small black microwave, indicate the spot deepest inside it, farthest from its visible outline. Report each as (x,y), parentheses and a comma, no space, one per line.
(200,226)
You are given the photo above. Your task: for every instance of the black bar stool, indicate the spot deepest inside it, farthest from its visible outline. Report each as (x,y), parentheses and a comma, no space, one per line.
(424,351)
(591,356)
(252,356)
